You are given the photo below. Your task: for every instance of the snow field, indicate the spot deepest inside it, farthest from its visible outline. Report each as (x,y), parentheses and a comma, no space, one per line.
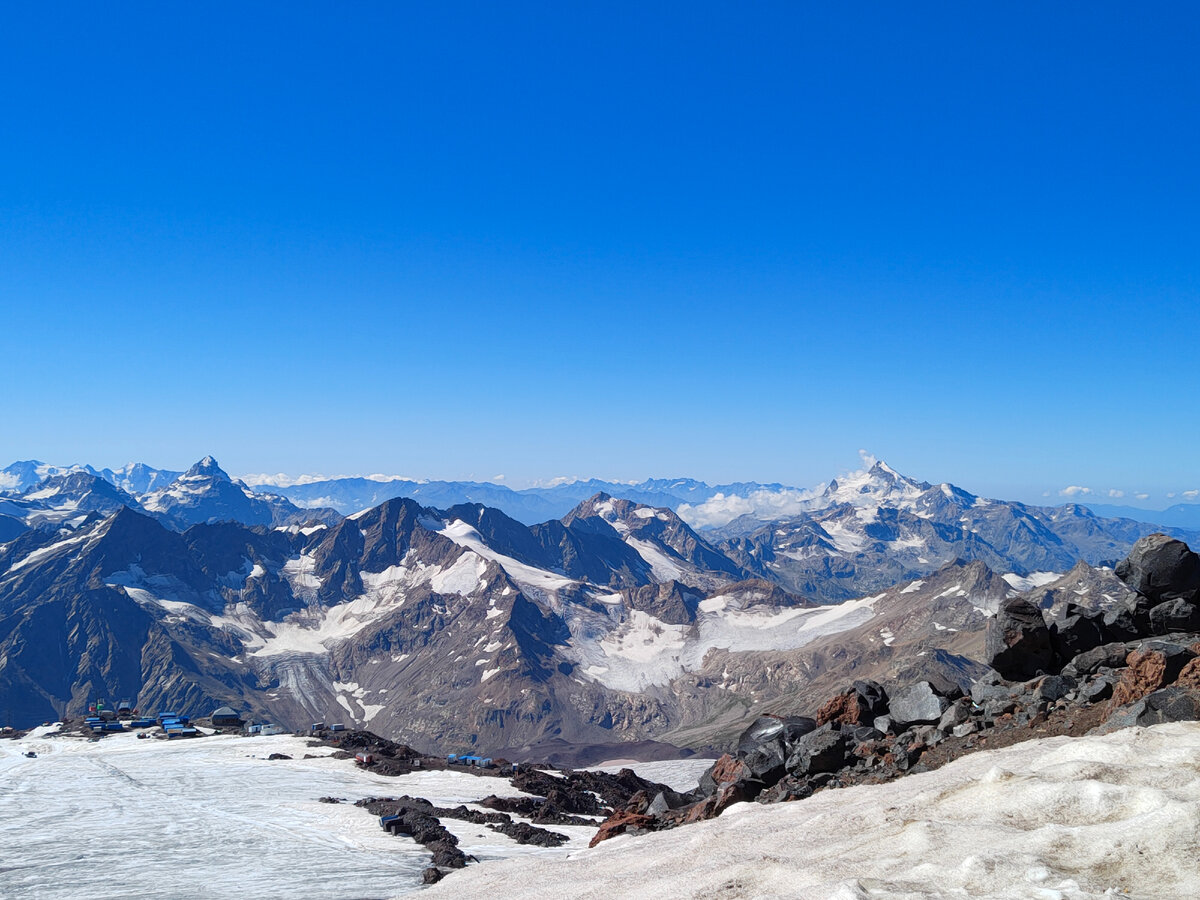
(213,818)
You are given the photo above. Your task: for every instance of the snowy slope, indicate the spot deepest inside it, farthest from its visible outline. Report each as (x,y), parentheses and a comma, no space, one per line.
(1059,819)
(213,818)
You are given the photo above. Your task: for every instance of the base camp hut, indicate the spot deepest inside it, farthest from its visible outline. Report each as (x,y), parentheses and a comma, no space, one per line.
(225,717)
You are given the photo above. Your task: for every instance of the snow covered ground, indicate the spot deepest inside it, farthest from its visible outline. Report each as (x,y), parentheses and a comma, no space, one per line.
(213,818)
(1057,819)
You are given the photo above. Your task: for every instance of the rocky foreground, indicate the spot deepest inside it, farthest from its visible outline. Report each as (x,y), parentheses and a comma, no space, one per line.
(1080,671)
(1103,816)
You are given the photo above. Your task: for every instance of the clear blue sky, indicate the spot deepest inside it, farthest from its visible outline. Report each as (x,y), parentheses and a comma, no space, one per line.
(729,241)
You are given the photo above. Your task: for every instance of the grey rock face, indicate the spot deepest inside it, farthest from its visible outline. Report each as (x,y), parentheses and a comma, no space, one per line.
(1161,568)
(917,704)
(1018,641)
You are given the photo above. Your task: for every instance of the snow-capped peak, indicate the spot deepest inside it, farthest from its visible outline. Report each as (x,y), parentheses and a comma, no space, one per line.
(870,487)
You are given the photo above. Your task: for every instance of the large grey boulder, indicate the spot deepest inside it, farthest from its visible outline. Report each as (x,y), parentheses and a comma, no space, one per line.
(1017,641)
(917,704)
(1161,568)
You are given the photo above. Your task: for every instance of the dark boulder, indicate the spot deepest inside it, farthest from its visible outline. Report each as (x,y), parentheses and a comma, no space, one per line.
(823,750)
(668,799)
(764,729)
(766,762)
(1161,568)
(955,714)
(796,727)
(1097,689)
(1049,689)
(917,704)
(431,875)
(1018,641)
(1126,623)
(1173,616)
(1078,631)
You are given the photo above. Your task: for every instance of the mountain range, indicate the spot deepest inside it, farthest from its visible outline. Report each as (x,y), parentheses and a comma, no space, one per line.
(460,625)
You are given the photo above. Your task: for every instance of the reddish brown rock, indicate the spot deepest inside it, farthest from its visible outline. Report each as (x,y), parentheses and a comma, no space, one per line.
(620,823)
(1146,672)
(1189,676)
(698,812)
(727,770)
(843,709)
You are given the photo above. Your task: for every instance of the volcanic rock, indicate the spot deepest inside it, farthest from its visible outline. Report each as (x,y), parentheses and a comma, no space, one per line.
(1161,568)
(1018,641)
(1173,616)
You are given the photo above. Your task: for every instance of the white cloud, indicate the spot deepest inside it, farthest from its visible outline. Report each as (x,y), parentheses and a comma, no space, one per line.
(281,479)
(1191,495)
(1074,489)
(868,459)
(720,510)
(1142,496)
(1170,495)
(497,478)
(1113,492)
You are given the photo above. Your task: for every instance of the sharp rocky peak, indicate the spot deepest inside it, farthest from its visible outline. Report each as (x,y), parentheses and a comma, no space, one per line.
(207,468)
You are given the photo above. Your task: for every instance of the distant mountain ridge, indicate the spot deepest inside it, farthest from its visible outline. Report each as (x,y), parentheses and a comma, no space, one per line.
(617,620)
(204,493)
(530,505)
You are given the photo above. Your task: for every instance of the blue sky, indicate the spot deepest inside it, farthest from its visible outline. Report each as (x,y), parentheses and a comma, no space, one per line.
(571,239)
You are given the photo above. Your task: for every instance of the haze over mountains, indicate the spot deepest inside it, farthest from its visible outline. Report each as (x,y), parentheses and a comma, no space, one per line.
(454,622)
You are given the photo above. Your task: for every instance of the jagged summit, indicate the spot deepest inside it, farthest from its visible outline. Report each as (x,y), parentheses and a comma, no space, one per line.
(207,468)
